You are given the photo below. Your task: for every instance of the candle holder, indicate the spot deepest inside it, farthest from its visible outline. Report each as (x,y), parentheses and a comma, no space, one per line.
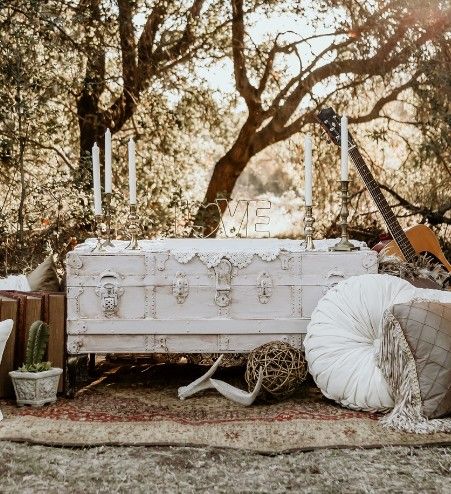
(344,245)
(99,245)
(308,229)
(133,228)
(108,214)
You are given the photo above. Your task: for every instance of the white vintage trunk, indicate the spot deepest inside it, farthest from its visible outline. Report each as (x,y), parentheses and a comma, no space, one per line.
(194,296)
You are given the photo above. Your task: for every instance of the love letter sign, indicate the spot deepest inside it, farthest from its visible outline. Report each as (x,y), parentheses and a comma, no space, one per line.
(241,217)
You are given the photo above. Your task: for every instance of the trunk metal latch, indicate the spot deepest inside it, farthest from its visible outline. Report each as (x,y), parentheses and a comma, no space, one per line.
(180,287)
(264,287)
(109,290)
(223,273)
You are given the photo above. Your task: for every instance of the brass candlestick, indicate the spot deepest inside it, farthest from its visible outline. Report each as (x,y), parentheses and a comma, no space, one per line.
(108,214)
(308,229)
(99,245)
(344,245)
(133,228)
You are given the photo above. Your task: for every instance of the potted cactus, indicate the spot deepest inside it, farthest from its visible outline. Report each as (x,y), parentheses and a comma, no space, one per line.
(36,382)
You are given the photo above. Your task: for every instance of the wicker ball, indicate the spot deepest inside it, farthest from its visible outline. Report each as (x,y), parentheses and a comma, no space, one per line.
(284,368)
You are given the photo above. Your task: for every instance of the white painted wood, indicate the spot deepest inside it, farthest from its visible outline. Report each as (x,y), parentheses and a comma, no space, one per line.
(131,305)
(186,326)
(199,296)
(162,343)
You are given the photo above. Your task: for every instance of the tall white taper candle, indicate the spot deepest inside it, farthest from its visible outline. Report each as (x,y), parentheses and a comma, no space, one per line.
(308,170)
(108,170)
(132,170)
(96,180)
(344,148)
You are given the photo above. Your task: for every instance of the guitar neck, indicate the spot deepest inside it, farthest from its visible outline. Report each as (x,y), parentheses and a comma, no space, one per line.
(390,219)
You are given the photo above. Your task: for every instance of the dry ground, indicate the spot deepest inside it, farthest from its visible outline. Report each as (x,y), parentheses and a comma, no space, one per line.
(34,469)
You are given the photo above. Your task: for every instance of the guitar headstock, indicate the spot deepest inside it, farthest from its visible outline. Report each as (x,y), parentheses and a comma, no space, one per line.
(331,123)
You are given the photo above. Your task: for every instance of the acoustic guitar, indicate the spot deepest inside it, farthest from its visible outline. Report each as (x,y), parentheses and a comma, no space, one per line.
(408,244)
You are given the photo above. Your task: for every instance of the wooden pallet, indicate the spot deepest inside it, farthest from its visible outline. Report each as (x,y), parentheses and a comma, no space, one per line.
(25,308)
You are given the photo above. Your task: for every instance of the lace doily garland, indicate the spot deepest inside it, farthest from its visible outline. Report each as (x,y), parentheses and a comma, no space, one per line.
(211,259)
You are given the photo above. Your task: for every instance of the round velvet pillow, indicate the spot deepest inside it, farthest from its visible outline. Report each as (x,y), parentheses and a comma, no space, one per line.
(343,340)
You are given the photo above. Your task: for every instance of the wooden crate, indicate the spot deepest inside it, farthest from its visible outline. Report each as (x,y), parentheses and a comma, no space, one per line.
(29,307)
(9,309)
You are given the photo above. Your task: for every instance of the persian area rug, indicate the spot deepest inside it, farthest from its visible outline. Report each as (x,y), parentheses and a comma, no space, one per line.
(138,405)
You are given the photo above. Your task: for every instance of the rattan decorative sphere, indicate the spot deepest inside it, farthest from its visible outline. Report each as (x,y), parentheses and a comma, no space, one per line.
(284,368)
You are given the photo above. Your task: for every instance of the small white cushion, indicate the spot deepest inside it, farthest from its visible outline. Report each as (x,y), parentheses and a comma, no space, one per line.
(5,330)
(343,340)
(15,282)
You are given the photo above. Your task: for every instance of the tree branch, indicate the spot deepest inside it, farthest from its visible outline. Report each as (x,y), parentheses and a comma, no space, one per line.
(89,117)
(243,85)
(146,63)
(94,81)
(379,63)
(379,105)
(123,107)
(187,39)
(433,217)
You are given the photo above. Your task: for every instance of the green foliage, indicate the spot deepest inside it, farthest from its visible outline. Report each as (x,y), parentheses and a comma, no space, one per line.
(40,367)
(183,123)
(38,338)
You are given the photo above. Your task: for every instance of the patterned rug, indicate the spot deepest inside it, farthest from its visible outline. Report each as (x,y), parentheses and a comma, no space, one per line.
(138,405)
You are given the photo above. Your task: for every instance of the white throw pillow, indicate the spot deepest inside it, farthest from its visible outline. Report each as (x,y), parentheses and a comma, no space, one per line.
(15,282)
(5,330)
(344,336)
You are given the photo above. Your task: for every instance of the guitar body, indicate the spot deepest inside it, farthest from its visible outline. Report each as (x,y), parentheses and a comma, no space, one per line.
(423,240)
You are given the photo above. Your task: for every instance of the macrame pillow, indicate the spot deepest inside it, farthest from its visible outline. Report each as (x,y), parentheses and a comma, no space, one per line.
(344,336)
(415,359)
(5,330)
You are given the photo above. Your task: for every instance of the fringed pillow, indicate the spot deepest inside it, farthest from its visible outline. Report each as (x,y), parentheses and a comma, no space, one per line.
(415,359)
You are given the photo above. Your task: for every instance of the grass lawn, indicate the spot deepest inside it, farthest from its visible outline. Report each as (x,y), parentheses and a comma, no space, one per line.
(29,469)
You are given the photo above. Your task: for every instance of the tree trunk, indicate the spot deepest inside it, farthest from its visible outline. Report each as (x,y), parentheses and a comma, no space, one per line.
(91,130)
(227,171)
(222,182)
